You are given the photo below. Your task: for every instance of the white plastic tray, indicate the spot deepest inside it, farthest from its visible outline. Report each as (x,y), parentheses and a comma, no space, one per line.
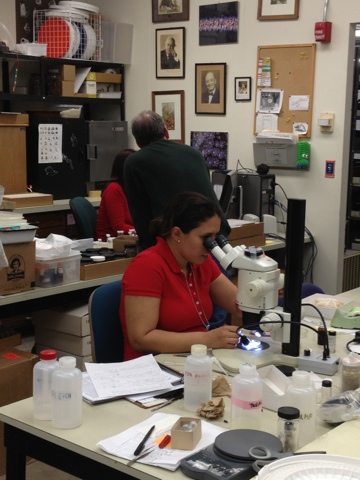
(22,235)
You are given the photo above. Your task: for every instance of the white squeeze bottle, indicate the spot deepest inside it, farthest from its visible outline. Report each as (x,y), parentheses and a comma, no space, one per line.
(301,393)
(67,394)
(246,398)
(197,378)
(42,377)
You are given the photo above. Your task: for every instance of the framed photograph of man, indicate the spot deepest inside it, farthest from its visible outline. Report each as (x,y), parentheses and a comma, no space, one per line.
(242,89)
(210,88)
(170,52)
(278,9)
(170,10)
(170,106)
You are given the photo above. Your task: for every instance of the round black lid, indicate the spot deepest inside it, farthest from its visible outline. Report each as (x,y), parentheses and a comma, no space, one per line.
(326,383)
(288,413)
(236,444)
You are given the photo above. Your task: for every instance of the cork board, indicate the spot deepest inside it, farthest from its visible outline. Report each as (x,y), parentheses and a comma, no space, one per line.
(292,70)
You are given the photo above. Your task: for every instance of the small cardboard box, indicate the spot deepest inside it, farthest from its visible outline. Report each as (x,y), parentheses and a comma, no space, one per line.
(80,361)
(30,199)
(14,119)
(246,230)
(88,87)
(122,240)
(104,269)
(10,341)
(256,241)
(72,344)
(72,319)
(67,88)
(185,440)
(16,370)
(108,77)
(67,73)
(19,276)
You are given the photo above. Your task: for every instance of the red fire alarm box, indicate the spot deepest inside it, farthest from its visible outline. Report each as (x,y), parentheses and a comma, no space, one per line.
(323,31)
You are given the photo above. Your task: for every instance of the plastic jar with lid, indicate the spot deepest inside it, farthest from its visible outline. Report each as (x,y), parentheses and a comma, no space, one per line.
(197,378)
(288,428)
(42,378)
(350,372)
(67,394)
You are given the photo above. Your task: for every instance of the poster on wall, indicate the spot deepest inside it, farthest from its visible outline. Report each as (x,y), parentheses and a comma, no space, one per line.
(218,23)
(213,146)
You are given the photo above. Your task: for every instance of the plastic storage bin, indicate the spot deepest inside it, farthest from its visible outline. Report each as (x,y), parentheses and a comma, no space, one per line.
(50,272)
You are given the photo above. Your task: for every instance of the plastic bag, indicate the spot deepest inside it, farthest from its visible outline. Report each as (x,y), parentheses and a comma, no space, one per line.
(342,408)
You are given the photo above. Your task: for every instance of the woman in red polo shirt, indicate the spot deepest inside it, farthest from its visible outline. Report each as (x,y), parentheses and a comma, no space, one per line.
(168,290)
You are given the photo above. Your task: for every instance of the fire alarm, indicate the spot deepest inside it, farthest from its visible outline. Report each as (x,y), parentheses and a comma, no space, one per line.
(323,29)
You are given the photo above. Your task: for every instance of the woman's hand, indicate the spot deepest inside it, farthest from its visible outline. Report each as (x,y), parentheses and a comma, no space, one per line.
(223,337)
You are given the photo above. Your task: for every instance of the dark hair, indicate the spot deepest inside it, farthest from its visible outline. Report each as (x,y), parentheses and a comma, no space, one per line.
(15,260)
(117,171)
(186,210)
(147,127)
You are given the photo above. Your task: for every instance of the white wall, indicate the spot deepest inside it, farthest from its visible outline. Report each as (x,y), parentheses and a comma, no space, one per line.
(325,198)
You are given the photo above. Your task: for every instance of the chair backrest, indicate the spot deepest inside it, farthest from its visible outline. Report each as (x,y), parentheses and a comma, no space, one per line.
(107,340)
(85,216)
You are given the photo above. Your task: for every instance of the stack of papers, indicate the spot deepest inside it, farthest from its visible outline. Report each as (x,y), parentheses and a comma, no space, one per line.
(124,444)
(137,380)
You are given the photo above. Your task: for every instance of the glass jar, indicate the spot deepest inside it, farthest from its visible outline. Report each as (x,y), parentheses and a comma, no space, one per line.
(288,428)
(53,83)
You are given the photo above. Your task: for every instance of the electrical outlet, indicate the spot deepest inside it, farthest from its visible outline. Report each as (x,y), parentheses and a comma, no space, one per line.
(315,363)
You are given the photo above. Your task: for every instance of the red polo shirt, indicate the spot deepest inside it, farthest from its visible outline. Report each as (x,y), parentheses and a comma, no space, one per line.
(155,273)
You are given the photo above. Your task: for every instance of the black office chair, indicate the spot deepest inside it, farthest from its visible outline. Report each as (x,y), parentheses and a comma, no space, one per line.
(107,340)
(85,216)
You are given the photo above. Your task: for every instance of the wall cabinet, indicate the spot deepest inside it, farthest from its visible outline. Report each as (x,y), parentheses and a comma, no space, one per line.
(19,72)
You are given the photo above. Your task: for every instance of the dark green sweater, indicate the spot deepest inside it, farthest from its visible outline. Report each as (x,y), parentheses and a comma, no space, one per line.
(157,172)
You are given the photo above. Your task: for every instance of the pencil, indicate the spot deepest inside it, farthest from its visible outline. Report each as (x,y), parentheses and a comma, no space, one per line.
(143,441)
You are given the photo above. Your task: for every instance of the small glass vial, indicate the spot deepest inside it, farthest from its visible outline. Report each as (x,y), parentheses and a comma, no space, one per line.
(326,390)
(332,340)
(67,394)
(42,378)
(288,428)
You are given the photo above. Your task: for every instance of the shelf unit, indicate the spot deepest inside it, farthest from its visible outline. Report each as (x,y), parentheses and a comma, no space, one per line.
(17,69)
(353,197)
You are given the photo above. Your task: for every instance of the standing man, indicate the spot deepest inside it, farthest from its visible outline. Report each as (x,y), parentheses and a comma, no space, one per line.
(168,56)
(211,94)
(158,171)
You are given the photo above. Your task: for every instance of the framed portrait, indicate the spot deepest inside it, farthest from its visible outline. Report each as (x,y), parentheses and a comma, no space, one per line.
(210,88)
(170,10)
(278,9)
(170,52)
(170,106)
(242,89)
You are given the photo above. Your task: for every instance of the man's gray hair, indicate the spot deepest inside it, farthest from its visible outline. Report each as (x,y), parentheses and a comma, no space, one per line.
(147,127)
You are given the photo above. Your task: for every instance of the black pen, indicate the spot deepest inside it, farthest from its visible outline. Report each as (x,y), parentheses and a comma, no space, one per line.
(143,441)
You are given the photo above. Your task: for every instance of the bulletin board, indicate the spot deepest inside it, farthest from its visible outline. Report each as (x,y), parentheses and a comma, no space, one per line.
(291,69)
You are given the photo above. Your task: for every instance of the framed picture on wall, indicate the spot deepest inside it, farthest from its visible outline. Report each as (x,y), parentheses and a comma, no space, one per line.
(242,89)
(278,9)
(170,10)
(170,52)
(170,106)
(210,88)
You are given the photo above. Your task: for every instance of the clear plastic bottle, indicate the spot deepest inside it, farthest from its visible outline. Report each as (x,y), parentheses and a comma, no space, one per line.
(197,378)
(67,394)
(246,398)
(350,372)
(301,394)
(326,390)
(42,377)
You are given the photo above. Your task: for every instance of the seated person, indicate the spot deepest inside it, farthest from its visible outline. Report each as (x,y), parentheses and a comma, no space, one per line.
(113,213)
(168,290)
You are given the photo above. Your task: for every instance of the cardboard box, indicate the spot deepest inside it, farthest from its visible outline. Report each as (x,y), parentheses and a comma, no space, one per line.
(67,73)
(108,77)
(30,199)
(72,344)
(72,319)
(13,154)
(185,440)
(16,370)
(88,87)
(246,230)
(80,361)
(14,119)
(67,88)
(104,269)
(10,341)
(18,278)
(256,241)
(91,77)
(122,240)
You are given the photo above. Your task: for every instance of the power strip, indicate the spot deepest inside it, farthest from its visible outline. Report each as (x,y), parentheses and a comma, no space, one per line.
(315,363)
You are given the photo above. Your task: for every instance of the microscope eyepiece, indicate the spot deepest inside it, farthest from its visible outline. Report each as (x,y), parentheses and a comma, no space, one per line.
(210,243)
(221,240)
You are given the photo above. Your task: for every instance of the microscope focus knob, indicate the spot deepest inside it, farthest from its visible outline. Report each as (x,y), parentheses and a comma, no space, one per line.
(255,288)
